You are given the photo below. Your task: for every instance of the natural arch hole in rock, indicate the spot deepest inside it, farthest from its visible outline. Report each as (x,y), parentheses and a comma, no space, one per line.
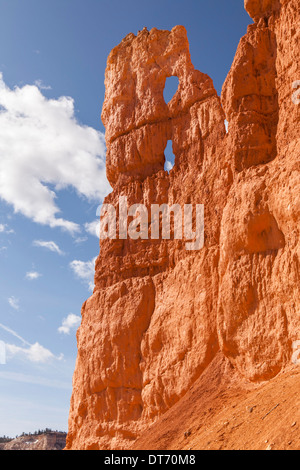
(169,156)
(171,86)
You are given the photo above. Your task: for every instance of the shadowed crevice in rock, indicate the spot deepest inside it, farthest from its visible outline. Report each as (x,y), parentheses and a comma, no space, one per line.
(263,234)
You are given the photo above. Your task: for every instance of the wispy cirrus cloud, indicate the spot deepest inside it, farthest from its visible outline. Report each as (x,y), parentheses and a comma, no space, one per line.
(42,144)
(13,333)
(14,302)
(31,352)
(49,245)
(41,85)
(34,380)
(80,240)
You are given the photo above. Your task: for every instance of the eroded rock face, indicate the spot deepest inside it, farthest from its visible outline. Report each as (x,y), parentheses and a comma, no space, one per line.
(159,313)
(261,8)
(259,243)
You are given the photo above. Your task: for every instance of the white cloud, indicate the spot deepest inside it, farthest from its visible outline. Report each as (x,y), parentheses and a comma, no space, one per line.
(4,229)
(49,245)
(42,144)
(34,353)
(168,165)
(13,302)
(32,275)
(84,270)
(93,228)
(71,322)
(226,125)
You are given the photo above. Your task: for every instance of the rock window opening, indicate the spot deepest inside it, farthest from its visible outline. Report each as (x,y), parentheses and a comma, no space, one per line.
(169,157)
(171,86)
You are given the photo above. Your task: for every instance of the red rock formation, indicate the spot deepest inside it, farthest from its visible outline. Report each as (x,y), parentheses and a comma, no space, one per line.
(159,313)
(259,243)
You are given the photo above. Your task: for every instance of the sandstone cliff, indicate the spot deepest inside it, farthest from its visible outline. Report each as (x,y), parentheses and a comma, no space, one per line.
(160,315)
(46,441)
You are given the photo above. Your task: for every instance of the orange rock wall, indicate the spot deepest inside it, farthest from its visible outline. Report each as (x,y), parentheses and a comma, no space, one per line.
(159,314)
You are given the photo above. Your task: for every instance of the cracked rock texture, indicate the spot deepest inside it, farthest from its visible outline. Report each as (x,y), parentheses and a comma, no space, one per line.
(160,314)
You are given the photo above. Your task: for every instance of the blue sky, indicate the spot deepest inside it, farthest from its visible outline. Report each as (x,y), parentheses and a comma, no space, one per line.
(52,174)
